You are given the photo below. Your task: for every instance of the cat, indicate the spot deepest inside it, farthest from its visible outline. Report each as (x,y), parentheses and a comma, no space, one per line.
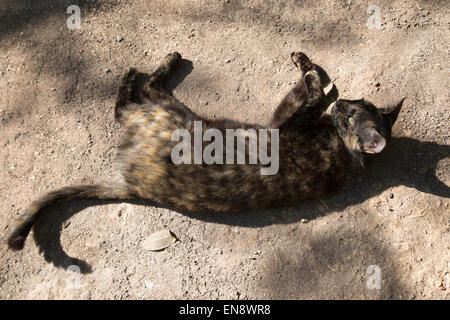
(317,151)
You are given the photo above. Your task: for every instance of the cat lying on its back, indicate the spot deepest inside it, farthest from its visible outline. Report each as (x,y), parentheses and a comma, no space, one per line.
(316,151)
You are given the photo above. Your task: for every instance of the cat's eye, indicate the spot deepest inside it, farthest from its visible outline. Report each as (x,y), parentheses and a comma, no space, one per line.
(350,117)
(351,120)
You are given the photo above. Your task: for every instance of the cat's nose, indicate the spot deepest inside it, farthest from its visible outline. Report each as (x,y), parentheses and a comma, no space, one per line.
(373,141)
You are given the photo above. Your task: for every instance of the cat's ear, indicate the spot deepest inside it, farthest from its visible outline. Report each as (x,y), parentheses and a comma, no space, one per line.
(391,113)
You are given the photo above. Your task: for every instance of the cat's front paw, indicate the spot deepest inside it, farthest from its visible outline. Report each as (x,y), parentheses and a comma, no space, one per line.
(301,61)
(171,58)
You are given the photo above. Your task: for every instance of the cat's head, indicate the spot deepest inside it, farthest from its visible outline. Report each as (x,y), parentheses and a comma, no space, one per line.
(363,127)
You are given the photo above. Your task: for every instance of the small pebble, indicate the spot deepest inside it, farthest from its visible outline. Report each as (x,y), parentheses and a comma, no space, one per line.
(304,221)
(391,196)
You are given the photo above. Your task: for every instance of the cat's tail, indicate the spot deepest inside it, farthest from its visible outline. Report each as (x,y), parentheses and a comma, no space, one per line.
(20,231)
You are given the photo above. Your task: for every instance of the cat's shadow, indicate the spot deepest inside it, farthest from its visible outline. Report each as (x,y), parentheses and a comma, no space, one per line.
(406,161)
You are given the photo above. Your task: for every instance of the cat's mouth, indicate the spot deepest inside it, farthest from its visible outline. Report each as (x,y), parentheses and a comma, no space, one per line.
(375,146)
(374,142)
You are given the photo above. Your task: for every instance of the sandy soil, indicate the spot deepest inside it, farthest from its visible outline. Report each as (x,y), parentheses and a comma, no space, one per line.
(58,88)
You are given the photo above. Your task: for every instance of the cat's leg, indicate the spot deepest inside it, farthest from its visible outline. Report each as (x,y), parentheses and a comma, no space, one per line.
(302,62)
(154,88)
(139,90)
(145,87)
(304,100)
(128,96)
(310,75)
(136,86)
(158,78)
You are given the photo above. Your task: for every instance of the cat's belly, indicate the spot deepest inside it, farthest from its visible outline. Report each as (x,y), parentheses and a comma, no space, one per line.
(228,188)
(151,172)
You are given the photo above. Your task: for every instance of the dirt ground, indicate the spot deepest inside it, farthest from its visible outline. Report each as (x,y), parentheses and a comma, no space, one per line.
(58,88)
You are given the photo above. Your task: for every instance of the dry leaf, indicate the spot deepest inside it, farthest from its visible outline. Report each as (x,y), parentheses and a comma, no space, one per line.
(159,240)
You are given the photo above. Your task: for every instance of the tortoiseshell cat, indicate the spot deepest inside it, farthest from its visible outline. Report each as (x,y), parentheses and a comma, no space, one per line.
(317,151)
